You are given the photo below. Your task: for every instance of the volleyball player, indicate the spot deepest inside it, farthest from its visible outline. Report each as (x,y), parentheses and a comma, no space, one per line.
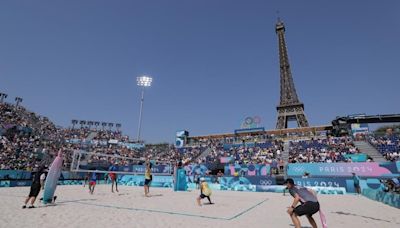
(92,182)
(86,179)
(113,177)
(205,191)
(147,179)
(37,184)
(308,203)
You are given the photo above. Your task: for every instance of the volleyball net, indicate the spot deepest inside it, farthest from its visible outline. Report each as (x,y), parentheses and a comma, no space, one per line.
(83,161)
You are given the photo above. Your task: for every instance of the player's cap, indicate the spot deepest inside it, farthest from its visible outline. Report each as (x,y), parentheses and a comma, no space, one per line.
(289,180)
(202,179)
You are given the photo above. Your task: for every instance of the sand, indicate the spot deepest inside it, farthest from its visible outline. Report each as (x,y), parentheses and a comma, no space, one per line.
(129,208)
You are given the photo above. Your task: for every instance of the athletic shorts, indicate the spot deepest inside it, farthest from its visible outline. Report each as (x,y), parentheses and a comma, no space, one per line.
(112,176)
(203,196)
(307,208)
(147,181)
(35,189)
(92,183)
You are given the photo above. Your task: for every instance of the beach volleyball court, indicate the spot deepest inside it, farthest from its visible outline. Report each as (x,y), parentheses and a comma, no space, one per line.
(129,208)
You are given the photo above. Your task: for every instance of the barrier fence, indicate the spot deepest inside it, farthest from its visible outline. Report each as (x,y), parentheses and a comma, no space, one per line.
(391,199)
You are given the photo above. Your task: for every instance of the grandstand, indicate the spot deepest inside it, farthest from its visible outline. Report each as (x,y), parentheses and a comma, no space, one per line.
(27,139)
(388,146)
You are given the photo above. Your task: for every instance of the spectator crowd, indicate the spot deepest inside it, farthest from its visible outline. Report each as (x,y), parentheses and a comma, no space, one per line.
(388,146)
(28,140)
(331,149)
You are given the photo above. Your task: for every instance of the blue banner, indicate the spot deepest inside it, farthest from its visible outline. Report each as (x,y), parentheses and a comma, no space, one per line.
(388,198)
(330,182)
(4,184)
(159,169)
(356,157)
(245,183)
(15,175)
(322,182)
(135,180)
(365,169)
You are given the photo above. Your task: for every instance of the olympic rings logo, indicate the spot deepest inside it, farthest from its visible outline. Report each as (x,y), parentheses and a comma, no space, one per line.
(251,122)
(265,182)
(298,169)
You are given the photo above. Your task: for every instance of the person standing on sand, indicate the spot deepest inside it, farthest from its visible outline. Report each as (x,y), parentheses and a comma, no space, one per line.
(309,204)
(356,181)
(147,179)
(205,191)
(92,182)
(86,179)
(113,177)
(37,184)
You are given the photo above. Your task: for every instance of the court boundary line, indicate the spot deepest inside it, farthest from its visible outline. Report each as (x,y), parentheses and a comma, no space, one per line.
(247,210)
(176,213)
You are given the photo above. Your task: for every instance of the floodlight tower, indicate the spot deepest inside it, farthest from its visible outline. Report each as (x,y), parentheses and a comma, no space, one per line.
(142,81)
(2,97)
(17,101)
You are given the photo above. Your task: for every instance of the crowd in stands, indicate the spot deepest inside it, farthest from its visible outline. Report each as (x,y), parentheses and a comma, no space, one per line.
(261,149)
(247,152)
(28,140)
(388,146)
(25,138)
(391,185)
(331,149)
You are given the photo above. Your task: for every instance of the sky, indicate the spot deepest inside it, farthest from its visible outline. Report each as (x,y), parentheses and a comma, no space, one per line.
(213,63)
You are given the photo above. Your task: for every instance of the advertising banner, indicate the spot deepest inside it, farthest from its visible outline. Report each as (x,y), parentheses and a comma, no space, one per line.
(245,183)
(156,169)
(322,182)
(14,175)
(388,198)
(138,180)
(20,183)
(365,169)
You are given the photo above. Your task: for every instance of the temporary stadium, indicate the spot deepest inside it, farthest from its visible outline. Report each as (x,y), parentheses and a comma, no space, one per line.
(93,174)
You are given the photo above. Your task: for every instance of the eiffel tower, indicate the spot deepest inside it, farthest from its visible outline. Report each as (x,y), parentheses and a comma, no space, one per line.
(290,108)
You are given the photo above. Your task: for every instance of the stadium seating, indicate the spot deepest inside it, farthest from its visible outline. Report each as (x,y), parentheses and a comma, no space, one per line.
(388,146)
(331,149)
(28,139)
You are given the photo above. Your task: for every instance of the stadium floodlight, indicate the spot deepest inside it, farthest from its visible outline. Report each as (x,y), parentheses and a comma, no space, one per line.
(2,97)
(96,123)
(82,123)
(74,122)
(142,81)
(17,100)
